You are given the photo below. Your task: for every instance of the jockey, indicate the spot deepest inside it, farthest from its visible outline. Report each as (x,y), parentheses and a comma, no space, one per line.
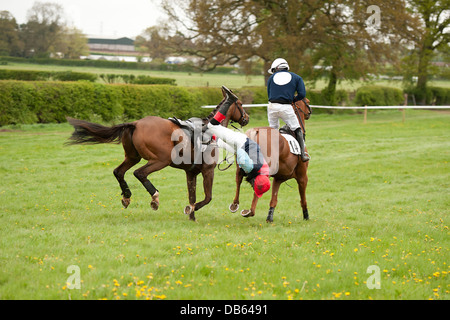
(248,154)
(281,88)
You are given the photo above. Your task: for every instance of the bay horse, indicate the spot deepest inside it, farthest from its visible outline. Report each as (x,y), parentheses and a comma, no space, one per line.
(288,166)
(151,138)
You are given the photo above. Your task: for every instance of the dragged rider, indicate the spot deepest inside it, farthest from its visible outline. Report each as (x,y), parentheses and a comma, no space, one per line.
(248,153)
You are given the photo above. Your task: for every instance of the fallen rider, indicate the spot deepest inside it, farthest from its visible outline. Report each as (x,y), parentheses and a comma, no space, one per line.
(248,153)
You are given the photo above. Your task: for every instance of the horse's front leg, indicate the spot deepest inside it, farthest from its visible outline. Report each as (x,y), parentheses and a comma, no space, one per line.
(234,206)
(208,178)
(251,212)
(191,179)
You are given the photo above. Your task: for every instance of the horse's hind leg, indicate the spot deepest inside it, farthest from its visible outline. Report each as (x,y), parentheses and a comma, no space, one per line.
(142,173)
(132,157)
(302,182)
(274,200)
(119,173)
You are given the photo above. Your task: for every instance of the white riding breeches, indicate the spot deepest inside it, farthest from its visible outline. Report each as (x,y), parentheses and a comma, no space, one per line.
(275,111)
(231,140)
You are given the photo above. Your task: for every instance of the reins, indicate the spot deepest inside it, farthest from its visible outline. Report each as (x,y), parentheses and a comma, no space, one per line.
(296,109)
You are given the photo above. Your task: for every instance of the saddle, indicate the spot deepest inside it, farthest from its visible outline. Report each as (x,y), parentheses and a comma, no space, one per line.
(193,128)
(291,138)
(286,130)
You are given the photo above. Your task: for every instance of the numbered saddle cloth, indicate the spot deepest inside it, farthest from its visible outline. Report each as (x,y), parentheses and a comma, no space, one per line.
(293,144)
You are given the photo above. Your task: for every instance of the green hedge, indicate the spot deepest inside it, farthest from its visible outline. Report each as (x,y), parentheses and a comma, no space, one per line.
(49,102)
(132,79)
(159,66)
(432,95)
(30,75)
(379,96)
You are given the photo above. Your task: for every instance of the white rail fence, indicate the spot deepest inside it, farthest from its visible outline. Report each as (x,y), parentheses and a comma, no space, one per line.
(365,108)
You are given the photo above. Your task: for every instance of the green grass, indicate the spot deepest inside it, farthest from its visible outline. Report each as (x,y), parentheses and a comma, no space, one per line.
(184,79)
(377,195)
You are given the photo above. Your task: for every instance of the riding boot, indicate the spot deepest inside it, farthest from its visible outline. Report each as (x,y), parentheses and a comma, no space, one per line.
(223,109)
(299,135)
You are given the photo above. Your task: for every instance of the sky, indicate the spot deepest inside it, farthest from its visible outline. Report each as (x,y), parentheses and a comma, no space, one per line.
(108,18)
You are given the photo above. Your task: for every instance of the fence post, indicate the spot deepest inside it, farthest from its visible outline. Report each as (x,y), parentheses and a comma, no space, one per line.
(365,114)
(404,109)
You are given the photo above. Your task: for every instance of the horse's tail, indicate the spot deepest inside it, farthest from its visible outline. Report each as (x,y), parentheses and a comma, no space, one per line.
(93,133)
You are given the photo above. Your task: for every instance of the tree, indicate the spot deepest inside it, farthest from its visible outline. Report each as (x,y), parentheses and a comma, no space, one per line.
(433,35)
(10,43)
(43,28)
(229,32)
(72,43)
(335,39)
(354,39)
(154,41)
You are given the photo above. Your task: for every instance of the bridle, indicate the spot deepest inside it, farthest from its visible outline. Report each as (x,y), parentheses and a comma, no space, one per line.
(241,120)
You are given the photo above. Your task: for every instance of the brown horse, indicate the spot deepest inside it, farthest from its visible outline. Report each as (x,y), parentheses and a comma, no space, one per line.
(152,138)
(286,165)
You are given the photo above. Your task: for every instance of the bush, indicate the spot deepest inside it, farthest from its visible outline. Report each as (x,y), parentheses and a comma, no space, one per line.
(29,75)
(430,96)
(379,96)
(73,76)
(440,96)
(16,99)
(46,101)
(24,75)
(151,80)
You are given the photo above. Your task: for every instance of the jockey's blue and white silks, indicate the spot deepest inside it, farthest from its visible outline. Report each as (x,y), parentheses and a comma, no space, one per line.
(243,160)
(282,85)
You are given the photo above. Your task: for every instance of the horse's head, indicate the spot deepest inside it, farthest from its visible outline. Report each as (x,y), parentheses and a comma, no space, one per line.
(304,108)
(237,114)
(236,111)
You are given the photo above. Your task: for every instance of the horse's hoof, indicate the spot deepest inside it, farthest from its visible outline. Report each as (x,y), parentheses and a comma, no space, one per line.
(234,207)
(305,215)
(188,210)
(126,202)
(247,213)
(155,201)
(192,217)
(269,218)
(154,205)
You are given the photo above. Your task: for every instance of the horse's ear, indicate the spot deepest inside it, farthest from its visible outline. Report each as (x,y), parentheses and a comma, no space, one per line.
(224,93)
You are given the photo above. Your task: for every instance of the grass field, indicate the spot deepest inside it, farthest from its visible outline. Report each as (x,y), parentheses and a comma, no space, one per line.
(187,79)
(378,198)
